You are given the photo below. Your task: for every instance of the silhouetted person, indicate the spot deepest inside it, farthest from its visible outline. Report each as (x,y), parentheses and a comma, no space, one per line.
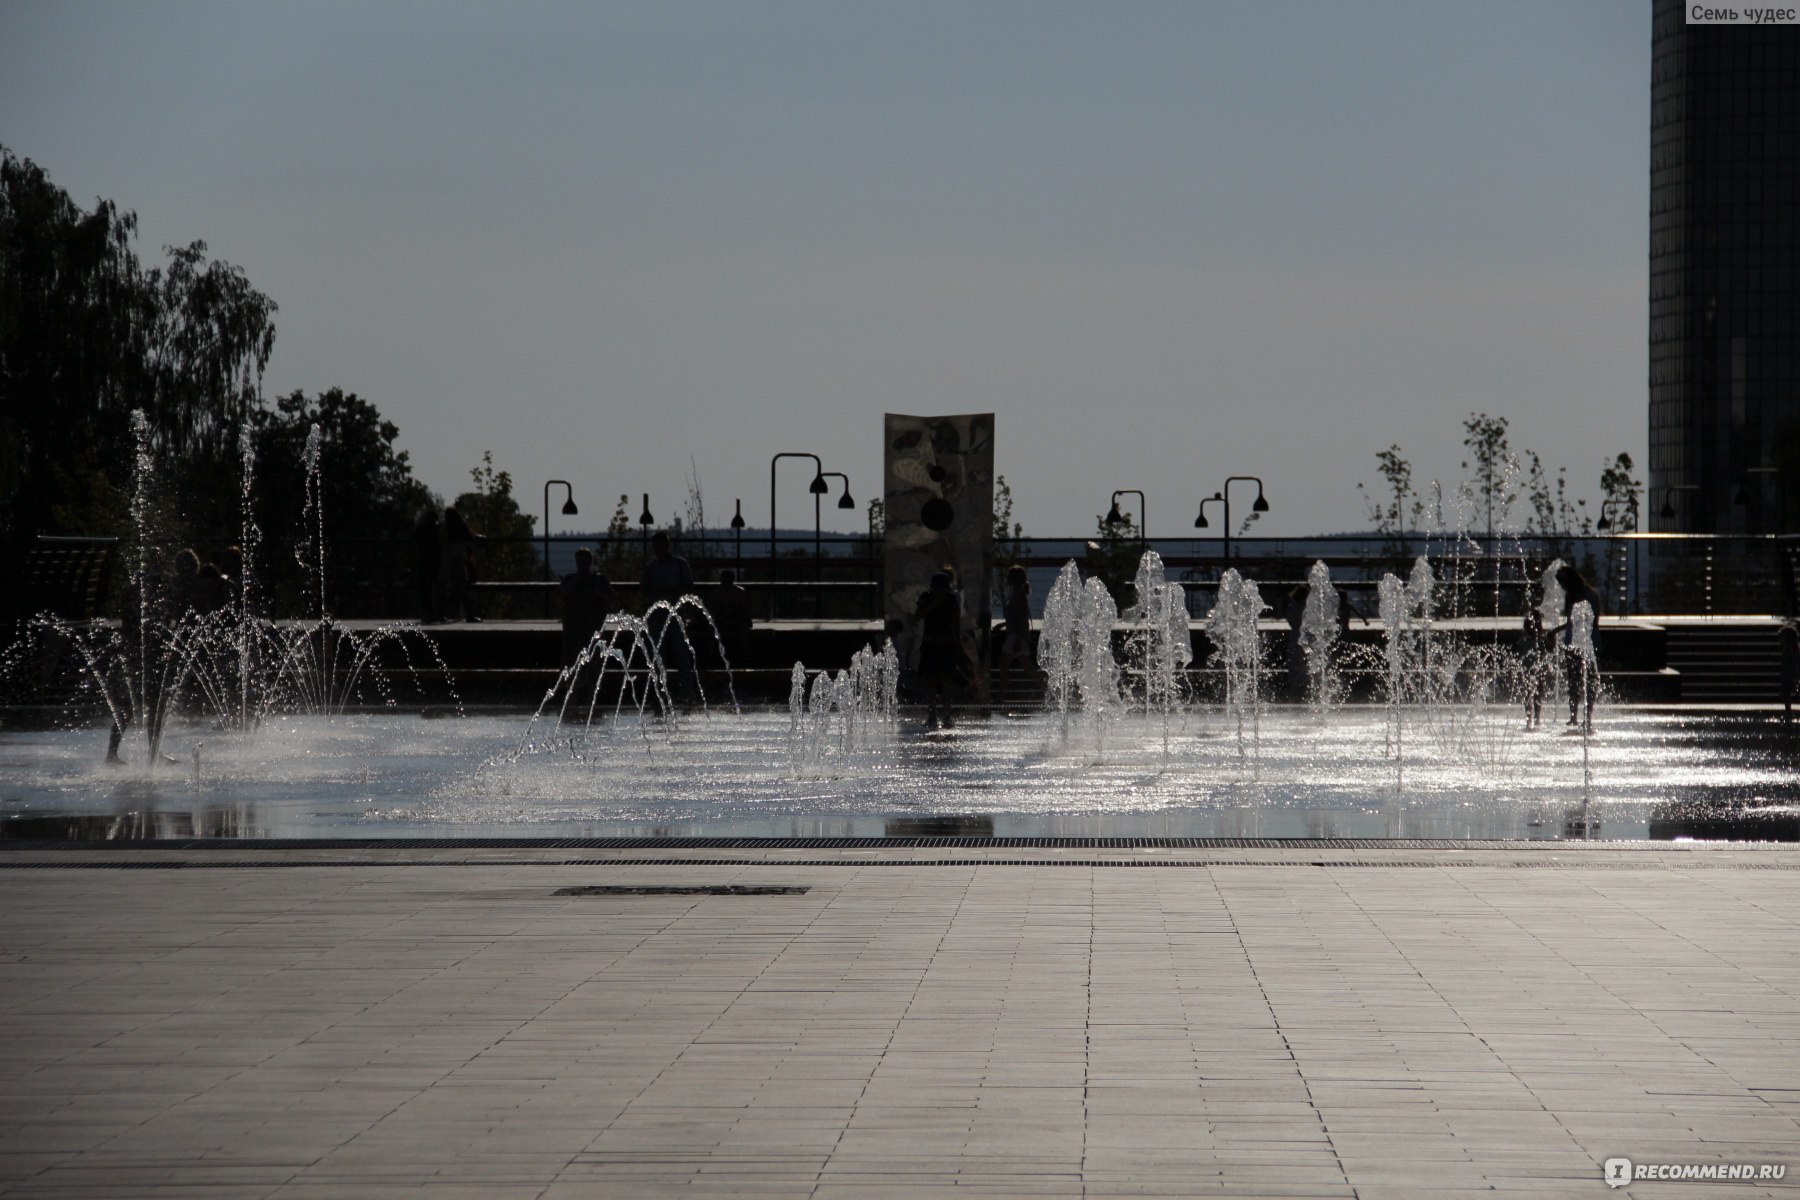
(1535,667)
(428,563)
(455,565)
(1293,611)
(587,598)
(667,577)
(1015,646)
(1583,674)
(941,659)
(730,610)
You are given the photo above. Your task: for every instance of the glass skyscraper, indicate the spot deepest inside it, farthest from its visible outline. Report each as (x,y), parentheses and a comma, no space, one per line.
(1724,276)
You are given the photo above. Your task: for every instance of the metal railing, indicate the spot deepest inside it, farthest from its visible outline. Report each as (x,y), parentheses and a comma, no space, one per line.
(1637,573)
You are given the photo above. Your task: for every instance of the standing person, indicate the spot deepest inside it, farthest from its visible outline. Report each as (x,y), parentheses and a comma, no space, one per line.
(1583,675)
(1015,610)
(941,660)
(1293,611)
(731,615)
(666,579)
(1534,668)
(428,563)
(453,567)
(587,598)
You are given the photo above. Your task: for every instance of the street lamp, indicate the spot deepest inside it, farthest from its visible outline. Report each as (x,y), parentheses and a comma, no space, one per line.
(645,521)
(737,532)
(817,487)
(1115,517)
(1667,512)
(844,501)
(1223,496)
(568,510)
(1781,493)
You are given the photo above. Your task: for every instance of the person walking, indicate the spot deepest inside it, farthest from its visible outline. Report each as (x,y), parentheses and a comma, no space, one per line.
(1582,670)
(666,580)
(428,562)
(941,659)
(587,599)
(454,568)
(731,617)
(1015,647)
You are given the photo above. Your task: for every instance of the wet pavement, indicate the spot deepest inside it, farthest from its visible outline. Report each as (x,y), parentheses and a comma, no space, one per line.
(1302,1019)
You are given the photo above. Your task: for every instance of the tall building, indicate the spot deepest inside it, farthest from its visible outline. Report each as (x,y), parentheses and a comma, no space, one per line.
(1724,276)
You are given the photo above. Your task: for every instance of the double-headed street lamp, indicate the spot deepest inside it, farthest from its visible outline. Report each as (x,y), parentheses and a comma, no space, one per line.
(818,487)
(1223,496)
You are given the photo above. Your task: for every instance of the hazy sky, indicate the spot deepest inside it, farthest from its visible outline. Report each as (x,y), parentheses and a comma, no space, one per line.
(1165,243)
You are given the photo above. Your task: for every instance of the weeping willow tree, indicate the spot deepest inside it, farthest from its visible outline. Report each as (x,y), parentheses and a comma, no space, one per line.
(88,334)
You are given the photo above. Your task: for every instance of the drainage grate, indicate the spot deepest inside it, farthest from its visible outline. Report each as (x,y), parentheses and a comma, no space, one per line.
(821,843)
(1569,862)
(653,889)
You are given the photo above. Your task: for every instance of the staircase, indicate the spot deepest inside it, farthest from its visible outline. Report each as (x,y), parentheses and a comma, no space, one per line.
(1732,664)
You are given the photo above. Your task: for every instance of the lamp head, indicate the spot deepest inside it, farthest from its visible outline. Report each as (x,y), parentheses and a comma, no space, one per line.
(1604,523)
(569,509)
(1668,508)
(1261,505)
(844,501)
(644,518)
(1200,521)
(1114,516)
(818,487)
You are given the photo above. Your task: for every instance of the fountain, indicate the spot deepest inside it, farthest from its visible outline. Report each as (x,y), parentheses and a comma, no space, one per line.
(223,666)
(287,729)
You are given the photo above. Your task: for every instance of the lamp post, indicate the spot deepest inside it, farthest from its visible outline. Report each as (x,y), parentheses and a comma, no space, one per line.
(1223,496)
(817,487)
(1780,493)
(844,501)
(737,533)
(568,510)
(1667,512)
(1115,517)
(645,521)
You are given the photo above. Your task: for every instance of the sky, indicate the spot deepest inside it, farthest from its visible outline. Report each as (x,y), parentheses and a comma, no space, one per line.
(635,245)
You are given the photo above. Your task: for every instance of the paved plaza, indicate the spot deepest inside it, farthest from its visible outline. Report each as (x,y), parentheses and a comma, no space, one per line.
(1258,1021)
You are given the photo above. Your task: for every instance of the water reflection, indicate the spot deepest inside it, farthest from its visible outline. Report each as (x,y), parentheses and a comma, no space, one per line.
(1644,774)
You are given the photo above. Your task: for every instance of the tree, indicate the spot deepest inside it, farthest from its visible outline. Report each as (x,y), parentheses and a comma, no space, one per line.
(491,511)
(1619,491)
(73,311)
(1392,517)
(1485,438)
(1009,535)
(367,492)
(87,336)
(1114,557)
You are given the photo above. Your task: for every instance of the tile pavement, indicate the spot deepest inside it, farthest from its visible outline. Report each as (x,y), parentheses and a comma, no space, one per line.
(427,1023)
